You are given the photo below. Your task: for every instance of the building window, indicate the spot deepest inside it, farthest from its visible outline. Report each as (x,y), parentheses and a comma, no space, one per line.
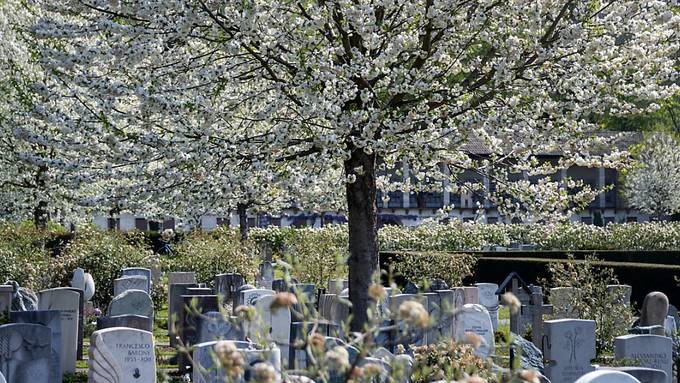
(587,220)
(221,221)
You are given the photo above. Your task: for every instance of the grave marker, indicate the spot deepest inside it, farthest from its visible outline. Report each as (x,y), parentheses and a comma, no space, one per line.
(25,352)
(569,345)
(122,355)
(67,302)
(652,351)
(52,320)
(475,319)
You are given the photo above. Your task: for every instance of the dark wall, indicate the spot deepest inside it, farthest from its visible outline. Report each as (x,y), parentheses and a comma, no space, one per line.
(645,271)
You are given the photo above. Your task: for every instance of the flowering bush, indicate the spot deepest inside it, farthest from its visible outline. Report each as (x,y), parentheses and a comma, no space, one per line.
(103,254)
(419,267)
(208,254)
(591,299)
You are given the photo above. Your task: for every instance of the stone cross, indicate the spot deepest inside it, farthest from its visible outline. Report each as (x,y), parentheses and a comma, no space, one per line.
(536,311)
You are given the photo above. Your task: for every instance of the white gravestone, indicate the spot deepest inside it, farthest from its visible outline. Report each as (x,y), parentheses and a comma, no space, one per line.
(84,281)
(133,282)
(68,303)
(562,299)
(489,299)
(121,354)
(273,324)
(249,297)
(51,319)
(569,345)
(475,319)
(605,376)
(653,351)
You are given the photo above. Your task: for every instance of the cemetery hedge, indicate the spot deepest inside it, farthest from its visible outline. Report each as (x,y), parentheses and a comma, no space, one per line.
(640,253)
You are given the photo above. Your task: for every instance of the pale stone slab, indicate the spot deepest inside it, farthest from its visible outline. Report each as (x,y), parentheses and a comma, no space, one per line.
(569,345)
(475,318)
(134,302)
(653,351)
(177,277)
(273,324)
(67,301)
(133,282)
(122,355)
(25,352)
(249,297)
(489,299)
(51,319)
(131,271)
(605,376)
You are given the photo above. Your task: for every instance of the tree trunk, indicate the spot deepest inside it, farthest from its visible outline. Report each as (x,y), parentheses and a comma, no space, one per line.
(363,233)
(242,210)
(40,213)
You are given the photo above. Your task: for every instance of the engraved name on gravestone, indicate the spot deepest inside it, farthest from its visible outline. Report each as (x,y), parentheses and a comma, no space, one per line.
(51,319)
(25,352)
(569,345)
(133,282)
(122,355)
(653,351)
(67,302)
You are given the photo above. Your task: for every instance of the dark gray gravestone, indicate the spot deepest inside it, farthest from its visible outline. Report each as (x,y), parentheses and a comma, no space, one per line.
(265,277)
(131,321)
(26,350)
(199,291)
(437,284)
(193,307)
(226,286)
(81,322)
(214,326)
(175,308)
(306,292)
(51,319)
(411,288)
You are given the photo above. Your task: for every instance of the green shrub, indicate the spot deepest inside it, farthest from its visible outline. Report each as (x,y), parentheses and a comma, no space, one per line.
(215,252)
(420,267)
(591,299)
(316,256)
(25,254)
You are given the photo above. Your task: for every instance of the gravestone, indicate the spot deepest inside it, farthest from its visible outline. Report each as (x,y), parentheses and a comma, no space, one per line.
(654,311)
(434,333)
(25,353)
(199,291)
(2,378)
(52,320)
(489,299)
(305,292)
(515,284)
(607,376)
(335,286)
(175,308)
(536,311)
(122,355)
(132,271)
(84,281)
(181,277)
(643,374)
(562,299)
(194,306)
(81,321)
(620,294)
(265,276)
(23,299)
(238,297)
(652,351)
(205,369)
(402,334)
(673,311)
(446,308)
(67,302)
(475,319)
(135,302)
(273,324)
(133,282)
(226,286)
(411,288)
(569,345)
(214,326)
(465,295)
(437,284)
(249,297)
(138,322)
(670,325)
